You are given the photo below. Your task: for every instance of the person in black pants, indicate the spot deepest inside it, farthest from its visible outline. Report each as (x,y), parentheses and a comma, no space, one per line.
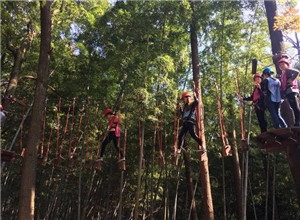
(188,119)
(289,87)
(113,133)
(257,98)
(271,88)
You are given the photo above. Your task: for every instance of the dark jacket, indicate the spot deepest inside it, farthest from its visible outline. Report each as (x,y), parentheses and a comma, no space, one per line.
(291,74)
(188,111)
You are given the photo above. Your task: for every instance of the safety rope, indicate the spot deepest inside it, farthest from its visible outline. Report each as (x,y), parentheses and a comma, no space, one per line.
(64,132)
(244,144)
(226,148)
(57,127)
(176,128)
(160,145)
(45,158)
(99,138)
(43,131)
(86,140)
(72,128)
(125,131)
(21,129)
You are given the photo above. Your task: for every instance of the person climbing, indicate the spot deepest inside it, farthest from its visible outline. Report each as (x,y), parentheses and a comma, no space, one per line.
(257,98)
(289,87)
(271,88)
(188,119)
(113,133)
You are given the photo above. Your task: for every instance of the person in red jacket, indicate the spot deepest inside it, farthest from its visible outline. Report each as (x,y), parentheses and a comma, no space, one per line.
(289,87)
(113,133)
(257,98)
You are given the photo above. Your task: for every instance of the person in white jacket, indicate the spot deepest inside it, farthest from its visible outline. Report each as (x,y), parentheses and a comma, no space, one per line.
(271,88)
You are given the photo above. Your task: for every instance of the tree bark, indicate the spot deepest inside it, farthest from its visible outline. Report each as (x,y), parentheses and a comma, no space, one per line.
(293,156)
(276,35)
(27,192)
(203,159)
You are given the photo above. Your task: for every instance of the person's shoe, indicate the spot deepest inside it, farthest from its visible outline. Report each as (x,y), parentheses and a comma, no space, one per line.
(100,159)
(122,159)
(201,150)
(178,152)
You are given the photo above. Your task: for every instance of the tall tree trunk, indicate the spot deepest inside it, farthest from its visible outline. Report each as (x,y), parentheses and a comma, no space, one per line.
(278,51)
(203,159)
(293,156)
(27,192)
(276,35)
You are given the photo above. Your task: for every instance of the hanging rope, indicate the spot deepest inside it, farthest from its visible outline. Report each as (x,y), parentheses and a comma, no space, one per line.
(125,132)
(175,134)
(78,133)
(88,155)
(140,138)
(45,158)
(96,114)
(43,131)
(22,150)
(161,158)
(64,132)
(97,164)
(122,165)
(57,160)
(226,148)
(244,144)
(70,156)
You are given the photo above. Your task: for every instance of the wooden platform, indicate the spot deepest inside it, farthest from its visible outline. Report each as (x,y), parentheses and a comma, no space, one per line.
(278,139)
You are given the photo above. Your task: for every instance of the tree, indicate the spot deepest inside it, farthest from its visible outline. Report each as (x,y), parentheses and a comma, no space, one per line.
(141,48)
(27,192)
(203,160)
(289,22)
(24,30)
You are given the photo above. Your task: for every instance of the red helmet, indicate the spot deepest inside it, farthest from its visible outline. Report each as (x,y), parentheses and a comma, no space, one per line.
(256,75)
(107,111)
(185,94)
(283,60)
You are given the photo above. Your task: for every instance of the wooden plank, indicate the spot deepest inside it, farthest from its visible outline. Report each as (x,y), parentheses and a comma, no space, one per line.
(275,140)
(278,139)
